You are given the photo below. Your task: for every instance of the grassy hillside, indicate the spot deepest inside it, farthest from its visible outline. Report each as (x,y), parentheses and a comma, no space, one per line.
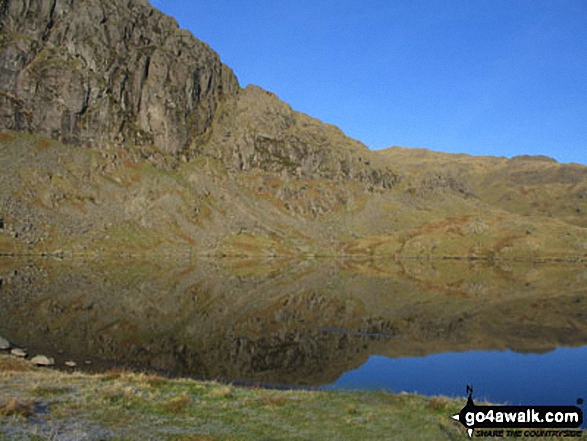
(161,152)
(526,185)
(57,199)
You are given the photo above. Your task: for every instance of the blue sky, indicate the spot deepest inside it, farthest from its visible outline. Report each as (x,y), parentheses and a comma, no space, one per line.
(484,77)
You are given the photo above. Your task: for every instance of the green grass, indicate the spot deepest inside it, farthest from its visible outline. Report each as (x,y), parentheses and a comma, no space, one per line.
(133,406)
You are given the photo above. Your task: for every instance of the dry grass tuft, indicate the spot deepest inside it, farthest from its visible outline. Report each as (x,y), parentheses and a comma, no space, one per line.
(145,380)
(155,380)
(43,143)
(129,392)
(177,404)
(438,403)
(11,364)
(16,406)
(6,137)
(353,410)
(118,390)
(113,374)
(277,401)
(45,390)
(221,392)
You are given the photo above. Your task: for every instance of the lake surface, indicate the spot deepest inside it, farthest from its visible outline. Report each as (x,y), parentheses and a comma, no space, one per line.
(516,332)
(557,377)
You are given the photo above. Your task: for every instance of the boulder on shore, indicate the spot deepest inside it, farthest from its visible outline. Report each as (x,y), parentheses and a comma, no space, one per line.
(17,352)
(4,344)
(42,360)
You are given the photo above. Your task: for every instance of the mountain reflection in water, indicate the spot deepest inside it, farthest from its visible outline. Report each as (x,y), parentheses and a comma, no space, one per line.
(285,321)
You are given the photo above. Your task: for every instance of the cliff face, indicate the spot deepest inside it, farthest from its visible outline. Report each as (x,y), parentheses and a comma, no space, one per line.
(94,73)
(98,73)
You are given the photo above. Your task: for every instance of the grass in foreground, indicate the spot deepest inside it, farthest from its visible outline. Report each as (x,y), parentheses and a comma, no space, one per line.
(46,404)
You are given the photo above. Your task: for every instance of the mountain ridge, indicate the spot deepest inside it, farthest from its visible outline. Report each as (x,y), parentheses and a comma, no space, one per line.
(123,134)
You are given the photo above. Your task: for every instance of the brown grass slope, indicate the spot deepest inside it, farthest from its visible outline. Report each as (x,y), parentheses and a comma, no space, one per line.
(526,185)
(58,199)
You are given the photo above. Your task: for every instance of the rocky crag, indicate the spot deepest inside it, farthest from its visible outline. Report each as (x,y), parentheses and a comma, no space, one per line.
(123,134)
(96,73)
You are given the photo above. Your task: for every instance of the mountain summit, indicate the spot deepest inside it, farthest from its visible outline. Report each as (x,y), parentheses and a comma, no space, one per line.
(122,133)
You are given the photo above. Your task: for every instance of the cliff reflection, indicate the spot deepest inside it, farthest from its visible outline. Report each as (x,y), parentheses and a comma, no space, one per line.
(285,321)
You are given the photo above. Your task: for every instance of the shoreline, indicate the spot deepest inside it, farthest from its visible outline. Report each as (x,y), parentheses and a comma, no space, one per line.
(44,403)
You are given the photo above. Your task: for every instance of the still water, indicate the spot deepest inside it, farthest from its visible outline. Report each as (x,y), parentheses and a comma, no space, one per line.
(557,377)
(516,332)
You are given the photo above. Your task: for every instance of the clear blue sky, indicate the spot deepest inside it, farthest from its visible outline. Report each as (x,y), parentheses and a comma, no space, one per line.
(484,77)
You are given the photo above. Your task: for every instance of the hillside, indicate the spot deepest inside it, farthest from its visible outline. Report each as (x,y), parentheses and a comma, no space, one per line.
(527,185)
(123,134)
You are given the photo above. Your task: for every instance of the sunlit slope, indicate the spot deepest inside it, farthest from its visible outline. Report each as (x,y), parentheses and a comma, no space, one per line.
(526,185)
(59,199)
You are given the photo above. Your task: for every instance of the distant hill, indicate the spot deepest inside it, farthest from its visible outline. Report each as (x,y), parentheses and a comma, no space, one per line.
(123,134)
(527,185)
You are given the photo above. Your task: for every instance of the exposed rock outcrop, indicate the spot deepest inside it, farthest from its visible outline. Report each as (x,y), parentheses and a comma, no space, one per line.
(256,130)
(95,73)
(17,352)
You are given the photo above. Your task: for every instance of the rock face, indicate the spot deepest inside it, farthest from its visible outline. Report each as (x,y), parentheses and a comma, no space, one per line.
(101,74)
(95,72)
(259,131)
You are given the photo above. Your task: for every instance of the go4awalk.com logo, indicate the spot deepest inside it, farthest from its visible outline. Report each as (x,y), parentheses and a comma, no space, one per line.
(517,421)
